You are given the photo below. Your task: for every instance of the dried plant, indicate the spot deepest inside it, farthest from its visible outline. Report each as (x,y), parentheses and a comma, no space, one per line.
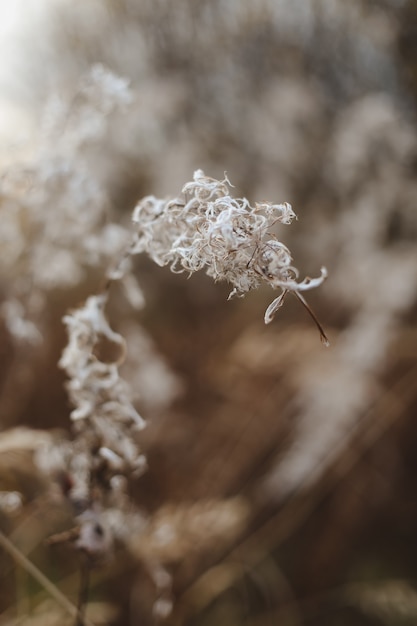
(208,228)
(255,436)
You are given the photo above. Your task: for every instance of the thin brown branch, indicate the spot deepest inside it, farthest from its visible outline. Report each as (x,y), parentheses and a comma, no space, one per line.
(49,586)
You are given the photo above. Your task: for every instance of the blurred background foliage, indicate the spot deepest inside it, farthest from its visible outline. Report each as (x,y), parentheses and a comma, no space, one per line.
(309,453)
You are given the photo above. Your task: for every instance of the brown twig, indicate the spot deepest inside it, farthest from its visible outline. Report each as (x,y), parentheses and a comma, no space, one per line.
(49,586)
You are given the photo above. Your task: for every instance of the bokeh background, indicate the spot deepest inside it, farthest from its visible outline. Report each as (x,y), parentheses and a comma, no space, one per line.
(284,472)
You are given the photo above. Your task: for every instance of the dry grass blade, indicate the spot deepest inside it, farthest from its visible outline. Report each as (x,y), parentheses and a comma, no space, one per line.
(31,569)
